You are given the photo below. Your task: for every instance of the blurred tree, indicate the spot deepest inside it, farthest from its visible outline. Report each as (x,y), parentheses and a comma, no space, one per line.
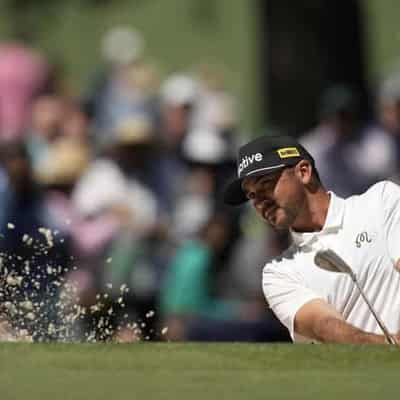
(310,45)
(25,14)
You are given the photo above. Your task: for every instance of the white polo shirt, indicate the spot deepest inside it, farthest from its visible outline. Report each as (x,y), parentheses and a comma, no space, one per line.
(365,231)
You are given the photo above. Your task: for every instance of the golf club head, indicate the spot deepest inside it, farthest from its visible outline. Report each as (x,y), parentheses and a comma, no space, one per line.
(330,261)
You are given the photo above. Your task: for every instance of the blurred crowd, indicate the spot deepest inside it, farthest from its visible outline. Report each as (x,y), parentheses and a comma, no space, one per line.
(117,193)
(352,152)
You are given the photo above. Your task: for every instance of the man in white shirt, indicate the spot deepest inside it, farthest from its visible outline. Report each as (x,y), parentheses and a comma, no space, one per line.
(279,177)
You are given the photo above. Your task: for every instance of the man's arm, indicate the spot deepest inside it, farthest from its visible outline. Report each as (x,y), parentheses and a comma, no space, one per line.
(319,320)
(397,265)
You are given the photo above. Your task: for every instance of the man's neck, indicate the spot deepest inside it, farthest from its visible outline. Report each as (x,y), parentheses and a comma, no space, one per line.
(313,217)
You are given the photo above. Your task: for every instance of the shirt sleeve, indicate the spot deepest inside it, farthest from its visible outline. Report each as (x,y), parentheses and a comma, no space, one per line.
(285,294)
(391,218)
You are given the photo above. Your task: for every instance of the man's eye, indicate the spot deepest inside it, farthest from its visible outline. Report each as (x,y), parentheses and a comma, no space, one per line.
(251,195)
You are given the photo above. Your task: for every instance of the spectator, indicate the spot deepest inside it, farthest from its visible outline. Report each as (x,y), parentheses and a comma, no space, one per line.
(178,99)
(378,155)
(23,74)
(67,161)
(334,141)
(258,244)
(190,308)
(205,152)
(188,292)
(29,246)
(45,128)
(118,169)
(126,85)
(106,220)
(215,107)
(75,122)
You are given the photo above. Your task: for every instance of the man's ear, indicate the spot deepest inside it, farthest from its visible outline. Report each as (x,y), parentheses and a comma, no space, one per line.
(303,171)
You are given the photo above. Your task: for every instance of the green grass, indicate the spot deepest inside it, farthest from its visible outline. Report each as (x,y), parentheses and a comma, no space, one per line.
(197,371)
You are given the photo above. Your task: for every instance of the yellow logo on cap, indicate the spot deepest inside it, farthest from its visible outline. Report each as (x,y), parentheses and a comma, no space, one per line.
(288,152)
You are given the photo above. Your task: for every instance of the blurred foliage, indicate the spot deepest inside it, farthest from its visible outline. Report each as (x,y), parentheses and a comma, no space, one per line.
(383,37)
(179,35)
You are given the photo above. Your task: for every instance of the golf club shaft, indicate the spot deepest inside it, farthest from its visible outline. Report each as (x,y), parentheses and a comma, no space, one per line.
(385,331)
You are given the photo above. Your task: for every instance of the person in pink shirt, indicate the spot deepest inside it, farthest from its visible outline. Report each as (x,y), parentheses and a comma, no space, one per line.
(23,73)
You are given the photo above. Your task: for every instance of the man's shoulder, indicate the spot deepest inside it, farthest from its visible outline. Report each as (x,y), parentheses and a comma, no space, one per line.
(283,262)
(375,201)
(381,187)
(376,193)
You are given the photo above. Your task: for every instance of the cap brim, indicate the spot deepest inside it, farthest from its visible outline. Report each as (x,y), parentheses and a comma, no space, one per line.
(234,194)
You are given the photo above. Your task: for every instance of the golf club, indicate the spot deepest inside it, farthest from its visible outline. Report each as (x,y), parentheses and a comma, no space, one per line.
(330,261)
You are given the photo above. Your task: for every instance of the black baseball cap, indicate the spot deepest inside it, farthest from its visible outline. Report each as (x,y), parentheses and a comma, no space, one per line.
(262,156)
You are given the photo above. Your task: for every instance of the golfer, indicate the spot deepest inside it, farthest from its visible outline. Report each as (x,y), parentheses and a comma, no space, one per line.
(278,176)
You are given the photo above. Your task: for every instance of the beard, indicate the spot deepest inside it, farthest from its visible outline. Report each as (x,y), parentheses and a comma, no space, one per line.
(281,217)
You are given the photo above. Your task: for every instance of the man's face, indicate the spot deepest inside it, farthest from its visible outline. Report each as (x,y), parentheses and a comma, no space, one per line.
(278,198)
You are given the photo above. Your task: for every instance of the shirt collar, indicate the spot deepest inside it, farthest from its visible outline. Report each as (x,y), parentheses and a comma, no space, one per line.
(333,222)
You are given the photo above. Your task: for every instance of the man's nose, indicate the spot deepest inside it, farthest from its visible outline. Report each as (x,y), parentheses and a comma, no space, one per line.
(260,201)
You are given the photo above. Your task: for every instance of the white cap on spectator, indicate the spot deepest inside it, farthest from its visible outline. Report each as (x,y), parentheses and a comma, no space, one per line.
(205,146)
(179,90)
(122,45)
